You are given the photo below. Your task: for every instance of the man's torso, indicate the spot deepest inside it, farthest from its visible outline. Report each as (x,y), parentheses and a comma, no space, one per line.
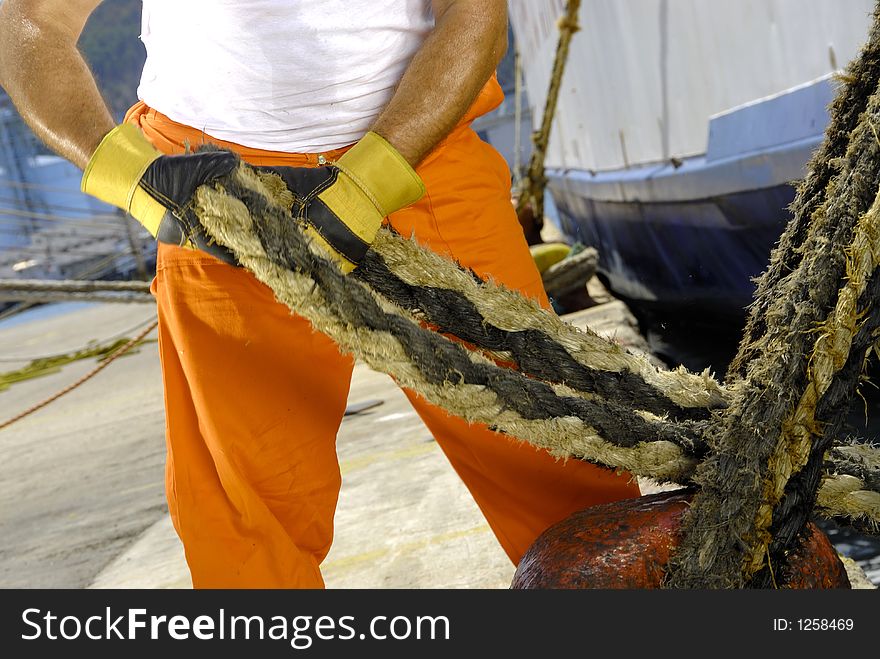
(286,75)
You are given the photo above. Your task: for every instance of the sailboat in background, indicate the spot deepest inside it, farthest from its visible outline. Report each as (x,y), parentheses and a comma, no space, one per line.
(680,128)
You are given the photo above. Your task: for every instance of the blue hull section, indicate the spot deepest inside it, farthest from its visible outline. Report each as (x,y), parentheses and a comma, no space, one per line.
(693,233)
(699,256)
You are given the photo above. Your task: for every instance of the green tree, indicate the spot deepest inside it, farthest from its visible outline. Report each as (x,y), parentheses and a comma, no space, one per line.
(112,47)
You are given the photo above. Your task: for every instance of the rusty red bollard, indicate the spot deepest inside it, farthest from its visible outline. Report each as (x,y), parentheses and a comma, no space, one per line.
(626,544)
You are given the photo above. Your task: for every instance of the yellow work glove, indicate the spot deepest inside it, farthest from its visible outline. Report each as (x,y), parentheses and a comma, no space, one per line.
(129,173)
(344,203)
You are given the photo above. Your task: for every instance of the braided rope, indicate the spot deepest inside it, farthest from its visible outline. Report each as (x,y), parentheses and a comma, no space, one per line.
(844,492)
(40,291)
(390,340)
(496,307)
(818,323)
(73,286)
(856,459)
(517,329)
(44,297)
(575,394)
(466,383)
(802,428)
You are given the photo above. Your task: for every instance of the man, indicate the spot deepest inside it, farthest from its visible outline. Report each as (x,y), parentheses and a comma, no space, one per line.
(379,96)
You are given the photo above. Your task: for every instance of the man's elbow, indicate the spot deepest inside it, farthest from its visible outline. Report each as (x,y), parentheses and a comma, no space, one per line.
(484,22)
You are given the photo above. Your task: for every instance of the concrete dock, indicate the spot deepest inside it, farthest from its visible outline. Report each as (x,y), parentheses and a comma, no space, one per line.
(81,483)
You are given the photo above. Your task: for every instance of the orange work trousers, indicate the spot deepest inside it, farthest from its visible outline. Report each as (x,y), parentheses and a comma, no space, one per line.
(254,397)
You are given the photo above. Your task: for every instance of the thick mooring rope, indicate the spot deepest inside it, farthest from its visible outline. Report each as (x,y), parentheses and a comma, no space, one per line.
(858,460)
(850,493)
(853,484)
(464,382)
(550,415)
(40,291)
(760,449)
(810,331)
(505,323)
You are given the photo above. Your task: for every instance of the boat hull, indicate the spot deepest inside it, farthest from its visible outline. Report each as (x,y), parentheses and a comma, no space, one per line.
(698,256)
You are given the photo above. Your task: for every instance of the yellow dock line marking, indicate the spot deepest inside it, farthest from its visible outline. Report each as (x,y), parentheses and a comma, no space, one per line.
(364,461)
(350,562)
(139,488)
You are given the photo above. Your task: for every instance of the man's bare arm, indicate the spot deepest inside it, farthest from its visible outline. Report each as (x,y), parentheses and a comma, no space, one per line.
(45,75)
(445,76)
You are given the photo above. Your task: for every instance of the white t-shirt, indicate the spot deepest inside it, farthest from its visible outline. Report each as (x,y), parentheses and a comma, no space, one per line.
(300,76)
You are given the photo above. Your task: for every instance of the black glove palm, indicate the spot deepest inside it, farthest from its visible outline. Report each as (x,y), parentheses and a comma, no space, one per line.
(343,204)
(172,181)
(129,173)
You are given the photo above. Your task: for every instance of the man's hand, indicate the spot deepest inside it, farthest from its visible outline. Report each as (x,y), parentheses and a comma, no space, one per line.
(343,205)
(129,173)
